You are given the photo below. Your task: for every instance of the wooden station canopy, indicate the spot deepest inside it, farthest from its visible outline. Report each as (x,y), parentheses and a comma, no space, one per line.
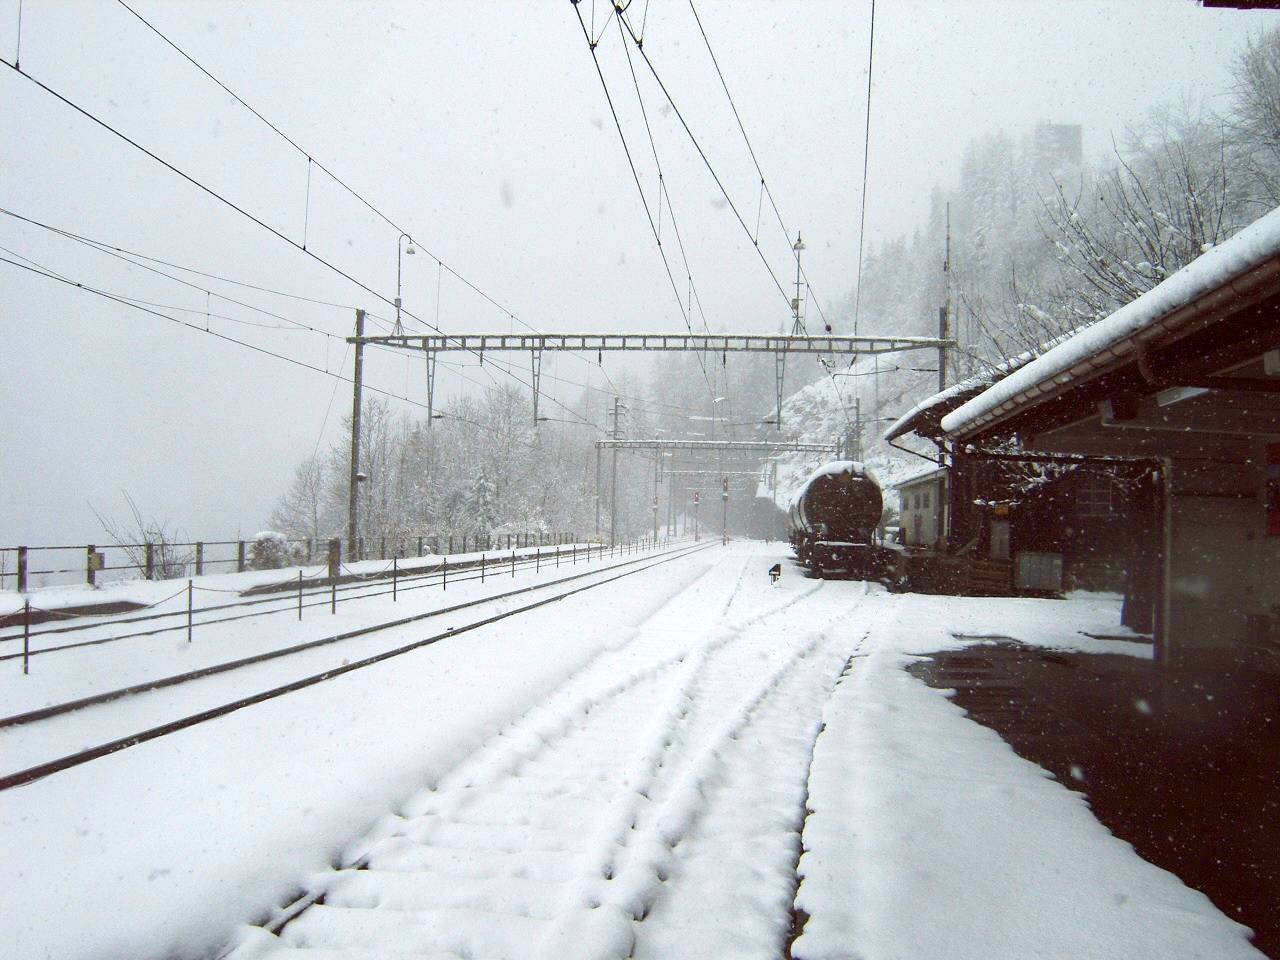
(1187,375)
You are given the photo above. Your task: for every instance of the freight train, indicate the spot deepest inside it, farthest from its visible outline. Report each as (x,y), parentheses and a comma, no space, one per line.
(833,522)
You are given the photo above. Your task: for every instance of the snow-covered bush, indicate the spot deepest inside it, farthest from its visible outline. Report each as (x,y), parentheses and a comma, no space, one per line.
(271,551)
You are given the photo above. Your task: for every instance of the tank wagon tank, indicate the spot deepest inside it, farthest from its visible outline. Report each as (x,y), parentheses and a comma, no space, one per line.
(833,518)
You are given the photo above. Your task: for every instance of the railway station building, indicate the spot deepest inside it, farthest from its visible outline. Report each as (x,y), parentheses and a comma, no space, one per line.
(1008,520)
(1186,377)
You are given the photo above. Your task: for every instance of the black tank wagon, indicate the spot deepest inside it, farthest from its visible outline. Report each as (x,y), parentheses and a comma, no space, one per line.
(833,521)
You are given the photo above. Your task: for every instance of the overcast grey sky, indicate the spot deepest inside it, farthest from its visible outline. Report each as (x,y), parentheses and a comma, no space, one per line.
(482,128)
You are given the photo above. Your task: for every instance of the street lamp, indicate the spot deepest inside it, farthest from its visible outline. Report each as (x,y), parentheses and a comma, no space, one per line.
(397,330)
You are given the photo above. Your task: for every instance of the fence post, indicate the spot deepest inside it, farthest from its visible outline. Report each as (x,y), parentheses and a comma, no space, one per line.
(513,563)
(90,573)
(149,561)
(299,594)
(239,556)
(482,568)
(22,569)
(444,573)
(335,558)
(26,636)
(310,550)
(508,541)
(395,579)
(537,560)
(189,610)
(200,559)
(419,546)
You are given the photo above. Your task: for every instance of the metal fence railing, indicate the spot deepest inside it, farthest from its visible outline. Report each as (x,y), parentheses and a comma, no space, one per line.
(25,567)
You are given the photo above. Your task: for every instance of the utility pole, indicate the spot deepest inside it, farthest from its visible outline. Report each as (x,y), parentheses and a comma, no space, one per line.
(616,434)
(354,485)
(597,493)
(671,504)
(875,382)
(724,510)
(797,325)
(944,313)
(657,479)
(857,429)
(944,318)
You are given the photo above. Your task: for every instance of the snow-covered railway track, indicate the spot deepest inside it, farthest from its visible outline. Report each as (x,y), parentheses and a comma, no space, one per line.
(290,598)
(650,808)
(87,755)
(159,683)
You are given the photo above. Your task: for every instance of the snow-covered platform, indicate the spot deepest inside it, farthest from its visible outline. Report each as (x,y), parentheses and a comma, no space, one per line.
(692,763)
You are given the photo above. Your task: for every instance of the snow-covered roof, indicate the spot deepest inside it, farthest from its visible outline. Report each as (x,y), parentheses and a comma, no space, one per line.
(917,477)
(1253,245)
(907,421)
(970,385)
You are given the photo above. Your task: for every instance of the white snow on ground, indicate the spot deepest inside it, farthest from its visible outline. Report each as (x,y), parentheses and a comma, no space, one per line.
(620,774)
(931,838)
(1252,245)
(159,850)
(61,675)
(631,815)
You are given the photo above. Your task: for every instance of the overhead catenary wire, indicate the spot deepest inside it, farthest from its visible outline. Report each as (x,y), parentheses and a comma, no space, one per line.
(132,257)
(715,176)
(765,189)
(257,221)
(621,14)
(40,270)
(294,325)
(213,194)
(866,154)
(662,191)
(105,246)
(634,173)
(311,160)
(245,213)
(45,272)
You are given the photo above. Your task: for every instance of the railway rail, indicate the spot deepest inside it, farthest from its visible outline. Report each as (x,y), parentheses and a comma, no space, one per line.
(637,792)
(628,568)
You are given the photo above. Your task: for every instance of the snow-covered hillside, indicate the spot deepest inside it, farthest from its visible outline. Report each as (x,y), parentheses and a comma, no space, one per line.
(818,414)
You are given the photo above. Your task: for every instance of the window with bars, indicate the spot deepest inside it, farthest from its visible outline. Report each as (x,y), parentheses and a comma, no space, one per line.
(1096,497)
